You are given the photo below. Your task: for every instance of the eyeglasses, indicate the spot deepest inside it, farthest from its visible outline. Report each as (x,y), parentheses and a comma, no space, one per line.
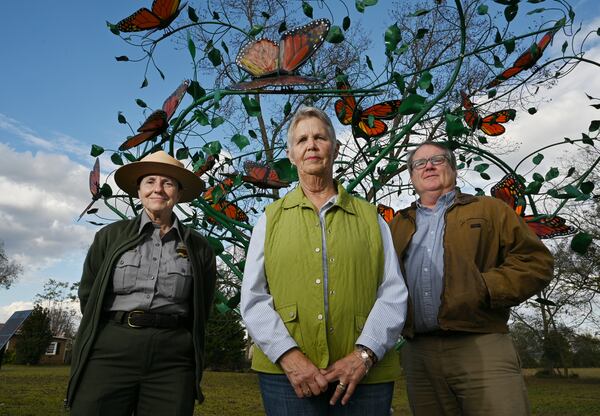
(435,161)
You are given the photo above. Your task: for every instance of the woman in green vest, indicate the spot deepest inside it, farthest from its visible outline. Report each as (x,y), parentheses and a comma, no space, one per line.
(323,296)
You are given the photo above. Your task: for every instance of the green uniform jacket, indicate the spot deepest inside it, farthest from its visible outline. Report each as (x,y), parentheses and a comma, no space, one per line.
(108,246)
(492,261)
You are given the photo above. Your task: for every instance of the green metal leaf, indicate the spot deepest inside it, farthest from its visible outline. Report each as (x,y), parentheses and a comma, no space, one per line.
(116,159)
(307,9)
(586,139)
(122,58)
(485,176)
(392,37)
(252,134)
(536,11)
(369,3)
(509,45)
(335,35)
(369,63)
(224,46)
(511,12)
(217,121)
(594,125)
(287,108)
(144,83)
(538,159)
(546,302)
(538,178)
(532,110)
(191,47)
(421,33)
(552,173)
(182,153)
(581,242)
(192,14)
(96,150)
(141,103)
(497,62)
(454,125)
(130,157)
(482,167)
(201,117)
(121,118)
(587,187)
(251,105)
(286,171)
(240,140)
(196,91)
(412,104)
(346,23)
(564,46)
(113,28)
(533,187)
(282,27)
(214,55)
(572,191)
(212,148)
(106,191)
(399,81)
(215,244)
(360,6)
(420,12)
(482,9)
(425,80)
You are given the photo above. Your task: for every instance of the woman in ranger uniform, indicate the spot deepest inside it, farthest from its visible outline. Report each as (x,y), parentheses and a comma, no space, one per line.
(146,292)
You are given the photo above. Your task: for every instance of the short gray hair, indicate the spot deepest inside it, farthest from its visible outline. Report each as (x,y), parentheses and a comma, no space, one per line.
(305,112)
(447,152)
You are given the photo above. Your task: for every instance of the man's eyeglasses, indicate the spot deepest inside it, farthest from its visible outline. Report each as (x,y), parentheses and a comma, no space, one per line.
(421,163)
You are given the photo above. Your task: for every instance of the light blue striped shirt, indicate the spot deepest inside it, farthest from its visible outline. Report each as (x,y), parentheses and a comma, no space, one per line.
(424,263)
(384,323)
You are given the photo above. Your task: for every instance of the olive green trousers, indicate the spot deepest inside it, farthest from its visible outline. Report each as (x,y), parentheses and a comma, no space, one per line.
(139,371)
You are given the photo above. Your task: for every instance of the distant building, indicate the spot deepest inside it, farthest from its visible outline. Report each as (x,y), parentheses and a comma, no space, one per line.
(58,351)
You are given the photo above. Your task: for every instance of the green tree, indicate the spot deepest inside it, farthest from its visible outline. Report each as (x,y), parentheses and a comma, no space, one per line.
(586,351)
(34,337)
(57,298)
(225,342)
(9,269)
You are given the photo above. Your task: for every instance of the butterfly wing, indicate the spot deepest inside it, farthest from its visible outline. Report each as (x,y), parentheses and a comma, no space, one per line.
(299,44)
(549,227)
(172,102)
(218,191)
(490,124)
(208,165)
(259,57)
(95,180)
(262,176)
(230,210)
(160,17)
(368,124)
(511,191)
(387,213)
(470,116)
(154,125)
(167,10)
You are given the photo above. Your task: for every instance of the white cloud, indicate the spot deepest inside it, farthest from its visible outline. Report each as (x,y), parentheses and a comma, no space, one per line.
(7,310)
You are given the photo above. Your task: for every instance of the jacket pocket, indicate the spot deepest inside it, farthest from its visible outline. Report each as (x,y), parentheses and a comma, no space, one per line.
(126,272)
(289,316)
(177,284)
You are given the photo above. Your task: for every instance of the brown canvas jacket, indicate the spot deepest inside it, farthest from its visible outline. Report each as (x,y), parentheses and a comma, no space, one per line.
(492,261)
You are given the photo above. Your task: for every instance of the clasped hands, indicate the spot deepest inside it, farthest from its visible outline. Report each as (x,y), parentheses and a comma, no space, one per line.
(309,380)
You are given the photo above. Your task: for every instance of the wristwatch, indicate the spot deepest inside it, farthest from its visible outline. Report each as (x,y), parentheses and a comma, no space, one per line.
(366,355)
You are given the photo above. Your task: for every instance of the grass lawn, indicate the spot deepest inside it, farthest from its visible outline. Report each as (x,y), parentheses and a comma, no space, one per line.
(39,390)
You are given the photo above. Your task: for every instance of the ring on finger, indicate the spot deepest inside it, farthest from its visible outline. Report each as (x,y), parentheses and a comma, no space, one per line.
(341,386)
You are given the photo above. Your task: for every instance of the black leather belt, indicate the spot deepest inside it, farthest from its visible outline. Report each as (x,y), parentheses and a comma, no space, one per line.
(443,333)
(143,319)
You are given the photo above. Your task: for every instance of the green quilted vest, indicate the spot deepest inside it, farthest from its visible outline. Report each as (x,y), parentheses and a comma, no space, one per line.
(294,272)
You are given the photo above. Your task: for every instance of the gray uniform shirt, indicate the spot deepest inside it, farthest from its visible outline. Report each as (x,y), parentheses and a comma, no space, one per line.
(154,276)
(424,262)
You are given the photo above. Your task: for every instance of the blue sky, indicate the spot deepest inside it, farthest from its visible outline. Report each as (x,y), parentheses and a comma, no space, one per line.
(61,90)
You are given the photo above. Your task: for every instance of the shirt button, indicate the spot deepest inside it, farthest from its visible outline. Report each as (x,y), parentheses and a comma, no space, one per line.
(147,296)
(154,258)
(331,259)
(320,317)
(318,281)
(332,292)
(291,314)
(330,329)
(121,262)
(152,277)
(317,249)
(425,269)
(156,245)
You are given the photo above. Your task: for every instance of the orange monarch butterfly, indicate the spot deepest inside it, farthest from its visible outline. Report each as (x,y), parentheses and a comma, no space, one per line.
(387,213)
(490,124)
(208,165)
(222,187)
(365,123)
(526,60)
(160,17)
(230,210)
(94,186)
(512,191)
(158,122)
(273,64)
(262,176)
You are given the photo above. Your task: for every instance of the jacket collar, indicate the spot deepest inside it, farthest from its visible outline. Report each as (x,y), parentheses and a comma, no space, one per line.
(459,199)
(297,198)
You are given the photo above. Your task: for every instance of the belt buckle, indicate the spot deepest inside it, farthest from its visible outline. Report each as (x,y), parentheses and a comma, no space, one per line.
(129,319)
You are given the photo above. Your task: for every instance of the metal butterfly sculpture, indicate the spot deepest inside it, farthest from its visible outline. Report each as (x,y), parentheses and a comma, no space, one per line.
(94,186)
(275,64)
(160,17)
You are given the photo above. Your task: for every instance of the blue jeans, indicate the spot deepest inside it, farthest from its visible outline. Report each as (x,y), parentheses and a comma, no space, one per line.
(279,399)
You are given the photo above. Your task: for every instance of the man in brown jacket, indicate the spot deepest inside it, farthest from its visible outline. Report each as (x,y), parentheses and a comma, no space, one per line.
(466,261)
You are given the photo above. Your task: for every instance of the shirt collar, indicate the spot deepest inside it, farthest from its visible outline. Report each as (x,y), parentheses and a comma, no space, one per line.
(443,201)
(145,220)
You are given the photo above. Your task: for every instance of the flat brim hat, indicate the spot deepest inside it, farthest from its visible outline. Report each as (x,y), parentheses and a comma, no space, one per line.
(159,163)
